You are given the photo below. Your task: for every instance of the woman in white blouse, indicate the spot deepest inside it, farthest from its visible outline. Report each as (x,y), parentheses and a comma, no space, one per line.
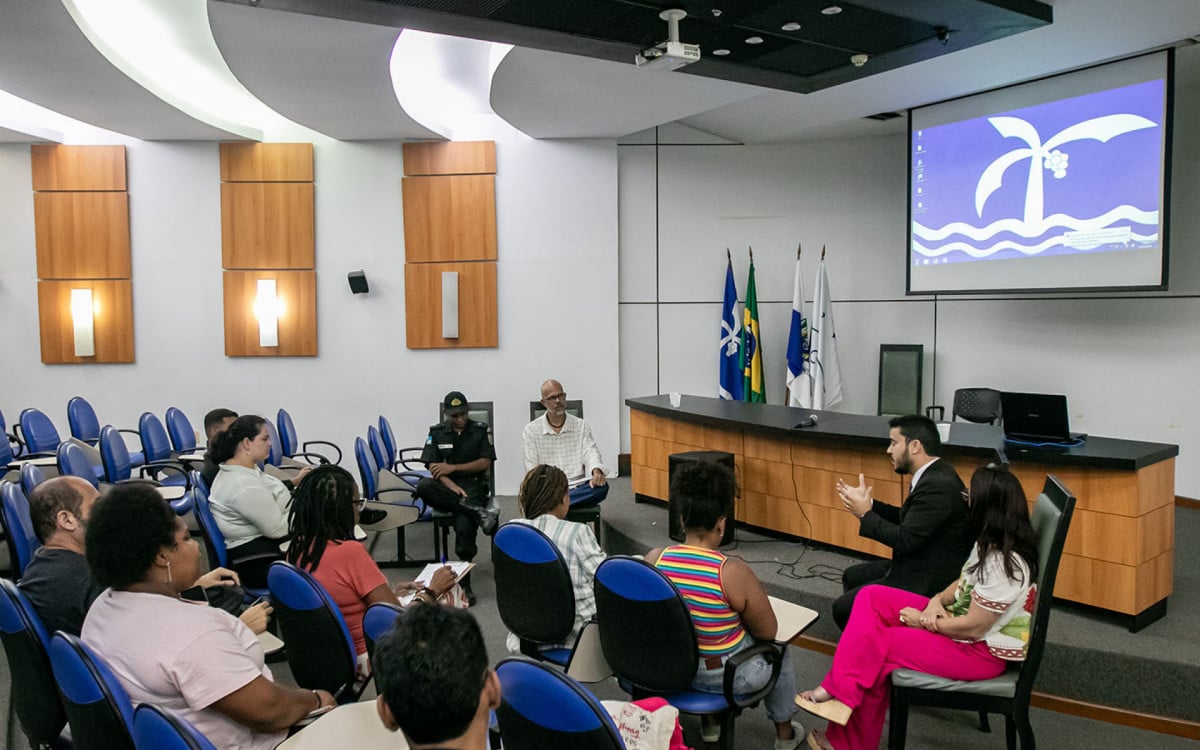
(970,631)
(249,505)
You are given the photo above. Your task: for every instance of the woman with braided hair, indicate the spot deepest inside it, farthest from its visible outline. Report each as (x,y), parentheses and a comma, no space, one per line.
(325,508)
(544,502)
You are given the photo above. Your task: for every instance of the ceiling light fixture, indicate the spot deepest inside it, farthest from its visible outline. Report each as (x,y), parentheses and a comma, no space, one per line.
(859,60)
(790,26)
(754,40)
(720,52)
(831,10)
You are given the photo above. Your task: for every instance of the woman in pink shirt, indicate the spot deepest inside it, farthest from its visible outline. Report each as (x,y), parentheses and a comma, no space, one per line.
(324,512)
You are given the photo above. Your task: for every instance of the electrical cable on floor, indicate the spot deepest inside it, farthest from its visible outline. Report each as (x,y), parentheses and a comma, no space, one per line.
(788,569)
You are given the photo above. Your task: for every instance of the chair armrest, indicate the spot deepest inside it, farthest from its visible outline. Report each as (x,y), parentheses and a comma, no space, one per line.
(129,431)
(149,470)
(324,442)
(412,499)
(410,459)
(320,459)
(774,657)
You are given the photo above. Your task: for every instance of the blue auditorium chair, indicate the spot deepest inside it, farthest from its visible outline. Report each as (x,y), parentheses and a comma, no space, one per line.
(291,447)
(320,650)
(31,476)
(18,527)
(85,426)
(98,708)
(158,728)
(214,540)
(34,693)
(541,708)
(117,468)
(156,447)
(533,591)
(401,495)
(73,461)
(181,432)
(37,433)
(649,641)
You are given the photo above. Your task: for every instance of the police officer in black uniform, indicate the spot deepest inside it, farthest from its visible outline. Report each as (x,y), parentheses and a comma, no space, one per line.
(459,453)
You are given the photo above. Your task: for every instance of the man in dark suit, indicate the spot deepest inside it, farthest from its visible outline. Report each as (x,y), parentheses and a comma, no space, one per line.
(928,534)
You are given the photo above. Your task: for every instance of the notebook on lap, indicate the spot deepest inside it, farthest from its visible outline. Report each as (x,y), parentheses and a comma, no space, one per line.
(1037,418)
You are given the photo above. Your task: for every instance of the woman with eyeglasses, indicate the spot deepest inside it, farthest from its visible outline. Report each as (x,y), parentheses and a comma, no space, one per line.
(969,631)
(325,509)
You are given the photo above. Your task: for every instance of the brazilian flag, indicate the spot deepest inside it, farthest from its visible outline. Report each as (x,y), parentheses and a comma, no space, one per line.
(754,386)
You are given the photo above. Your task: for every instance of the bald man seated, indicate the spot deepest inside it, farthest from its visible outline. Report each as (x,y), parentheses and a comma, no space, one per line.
(58,581)
(563,440)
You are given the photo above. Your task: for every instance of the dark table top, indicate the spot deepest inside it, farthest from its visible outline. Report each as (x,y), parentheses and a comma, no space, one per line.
(966,438)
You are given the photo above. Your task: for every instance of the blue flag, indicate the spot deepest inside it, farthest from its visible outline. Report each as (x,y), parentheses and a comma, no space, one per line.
(731,340)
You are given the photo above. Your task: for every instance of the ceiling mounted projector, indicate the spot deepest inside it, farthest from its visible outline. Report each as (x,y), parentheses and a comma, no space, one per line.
(671,54)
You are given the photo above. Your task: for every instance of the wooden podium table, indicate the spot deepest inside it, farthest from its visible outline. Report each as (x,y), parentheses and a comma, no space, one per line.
(1119,554)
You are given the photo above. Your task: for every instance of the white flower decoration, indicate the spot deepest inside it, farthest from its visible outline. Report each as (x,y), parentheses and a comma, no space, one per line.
(1056,162)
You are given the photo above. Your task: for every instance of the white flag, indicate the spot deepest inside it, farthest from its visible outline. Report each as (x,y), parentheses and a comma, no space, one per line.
(822,355)
(799,372)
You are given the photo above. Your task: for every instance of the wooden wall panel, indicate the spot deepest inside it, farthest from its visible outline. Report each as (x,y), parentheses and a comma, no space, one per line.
(266,162)
(57,167)
(457,157)
(267,225)
(82,235)
(477,323)
(113,315)
(449,218)
(297,325)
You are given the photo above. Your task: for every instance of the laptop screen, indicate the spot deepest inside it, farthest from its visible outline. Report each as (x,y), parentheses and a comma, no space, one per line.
(1035,415)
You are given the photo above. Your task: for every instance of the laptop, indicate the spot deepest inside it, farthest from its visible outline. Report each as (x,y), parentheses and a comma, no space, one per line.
(1038,418)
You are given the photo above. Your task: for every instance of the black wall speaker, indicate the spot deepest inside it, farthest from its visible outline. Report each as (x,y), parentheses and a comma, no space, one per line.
(358,282)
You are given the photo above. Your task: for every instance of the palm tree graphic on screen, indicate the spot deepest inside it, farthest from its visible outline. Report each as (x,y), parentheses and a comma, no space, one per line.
(1046,155)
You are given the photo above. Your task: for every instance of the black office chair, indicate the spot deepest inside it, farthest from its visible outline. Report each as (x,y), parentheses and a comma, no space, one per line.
(98,708)
(574,408)
(34,693)
(533,591)
(320,650)
(649,642)
(979,405)
(1009,693)
(542,708)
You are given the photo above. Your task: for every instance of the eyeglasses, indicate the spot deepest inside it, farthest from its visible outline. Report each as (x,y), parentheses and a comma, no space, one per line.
(556,397)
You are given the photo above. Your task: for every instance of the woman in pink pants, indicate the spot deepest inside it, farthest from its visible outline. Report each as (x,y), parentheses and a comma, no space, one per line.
(970,631)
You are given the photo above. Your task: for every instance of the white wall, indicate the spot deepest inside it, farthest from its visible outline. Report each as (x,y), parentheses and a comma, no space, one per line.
(1127,362)
(556,217)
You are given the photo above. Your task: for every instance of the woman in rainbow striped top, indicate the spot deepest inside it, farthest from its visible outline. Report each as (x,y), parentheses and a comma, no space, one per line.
(727,602)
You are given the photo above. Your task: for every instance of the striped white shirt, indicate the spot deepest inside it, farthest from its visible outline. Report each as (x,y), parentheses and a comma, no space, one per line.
(572,449)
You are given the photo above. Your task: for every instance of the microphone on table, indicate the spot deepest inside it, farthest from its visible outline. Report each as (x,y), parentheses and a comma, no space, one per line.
(810,422)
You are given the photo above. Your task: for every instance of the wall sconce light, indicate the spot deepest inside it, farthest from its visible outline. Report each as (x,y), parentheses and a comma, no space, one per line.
(449,304)
(84,320)
(267,309)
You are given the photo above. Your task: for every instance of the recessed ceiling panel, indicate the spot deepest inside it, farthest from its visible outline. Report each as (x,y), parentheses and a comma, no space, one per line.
(552,95)
(894,33)
(13,136)
(46,59)
(326,74)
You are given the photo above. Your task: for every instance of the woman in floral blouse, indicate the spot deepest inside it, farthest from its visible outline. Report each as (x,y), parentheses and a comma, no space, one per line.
(970,631)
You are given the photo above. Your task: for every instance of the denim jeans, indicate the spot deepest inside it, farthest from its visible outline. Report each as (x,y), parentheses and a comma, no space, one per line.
(751,676)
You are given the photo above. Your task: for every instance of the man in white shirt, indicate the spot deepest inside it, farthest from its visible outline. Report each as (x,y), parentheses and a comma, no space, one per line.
(564,440)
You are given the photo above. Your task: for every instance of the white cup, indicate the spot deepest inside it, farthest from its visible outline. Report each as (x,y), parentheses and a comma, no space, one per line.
(944,431)
(676,397)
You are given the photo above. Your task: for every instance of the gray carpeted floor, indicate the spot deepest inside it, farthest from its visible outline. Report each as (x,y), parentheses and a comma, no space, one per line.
(928,729)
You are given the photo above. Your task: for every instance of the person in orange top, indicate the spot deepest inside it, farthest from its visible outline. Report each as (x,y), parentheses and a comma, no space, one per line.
(321,521)
(727,602)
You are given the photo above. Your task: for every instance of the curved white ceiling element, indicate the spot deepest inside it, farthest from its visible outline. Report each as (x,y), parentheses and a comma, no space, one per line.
(169,49)
(444,82)
(554,95)
(327,74)
(46,59)
(23,121)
